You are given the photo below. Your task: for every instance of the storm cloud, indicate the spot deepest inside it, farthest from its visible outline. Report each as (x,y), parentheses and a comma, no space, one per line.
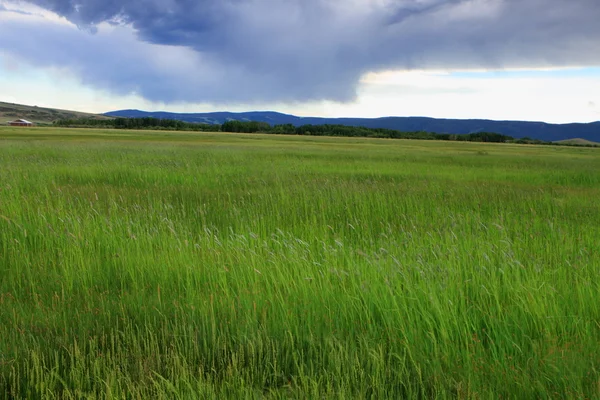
(298,50)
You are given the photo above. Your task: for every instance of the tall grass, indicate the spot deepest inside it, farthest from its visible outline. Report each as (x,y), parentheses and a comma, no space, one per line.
(163,265)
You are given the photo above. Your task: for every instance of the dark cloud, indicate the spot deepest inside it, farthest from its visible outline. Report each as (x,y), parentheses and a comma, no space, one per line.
(287,50)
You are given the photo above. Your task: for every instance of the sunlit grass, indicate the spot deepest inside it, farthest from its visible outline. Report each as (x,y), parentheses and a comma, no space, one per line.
(182,265)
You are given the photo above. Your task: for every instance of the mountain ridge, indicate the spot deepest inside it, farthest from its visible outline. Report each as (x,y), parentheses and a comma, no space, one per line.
(517,129)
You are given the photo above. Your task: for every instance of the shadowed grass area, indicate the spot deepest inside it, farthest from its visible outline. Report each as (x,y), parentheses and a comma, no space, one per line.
(186,265)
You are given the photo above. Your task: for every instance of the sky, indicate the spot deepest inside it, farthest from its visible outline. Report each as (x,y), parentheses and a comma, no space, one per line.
(496,59)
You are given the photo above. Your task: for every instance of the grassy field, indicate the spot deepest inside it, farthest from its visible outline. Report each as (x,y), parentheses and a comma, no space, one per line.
(178,265)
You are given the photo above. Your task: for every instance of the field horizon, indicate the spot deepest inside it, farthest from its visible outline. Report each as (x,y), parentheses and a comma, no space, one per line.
(154,264)
(583,133)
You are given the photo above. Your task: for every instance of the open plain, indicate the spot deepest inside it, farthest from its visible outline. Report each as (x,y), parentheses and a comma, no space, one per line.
(195,265)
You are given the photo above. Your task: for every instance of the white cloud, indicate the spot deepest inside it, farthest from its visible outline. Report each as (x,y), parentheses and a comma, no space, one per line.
(550,96)
(539,96)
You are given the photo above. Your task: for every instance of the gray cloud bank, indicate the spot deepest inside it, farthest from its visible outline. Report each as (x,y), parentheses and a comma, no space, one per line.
(300,50)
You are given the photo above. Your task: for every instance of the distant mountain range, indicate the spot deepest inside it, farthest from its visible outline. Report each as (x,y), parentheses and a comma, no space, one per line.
(516,129)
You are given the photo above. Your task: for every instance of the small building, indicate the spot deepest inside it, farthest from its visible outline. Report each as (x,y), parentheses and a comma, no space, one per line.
(20,122)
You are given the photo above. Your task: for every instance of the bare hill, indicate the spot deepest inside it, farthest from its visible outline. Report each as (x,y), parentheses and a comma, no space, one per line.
(10,111)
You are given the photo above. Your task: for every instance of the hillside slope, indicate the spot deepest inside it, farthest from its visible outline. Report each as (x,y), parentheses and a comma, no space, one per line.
(517,129)
(579,141)
(10,111)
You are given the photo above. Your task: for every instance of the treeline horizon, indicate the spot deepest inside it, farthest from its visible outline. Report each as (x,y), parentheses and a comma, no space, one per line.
(133,123)
(234,126)
(357,131)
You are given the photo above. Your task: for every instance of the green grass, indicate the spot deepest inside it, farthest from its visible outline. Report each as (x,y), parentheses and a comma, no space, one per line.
(184,265)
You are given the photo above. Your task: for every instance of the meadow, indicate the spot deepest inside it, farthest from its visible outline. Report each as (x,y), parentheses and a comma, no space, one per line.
(163,265)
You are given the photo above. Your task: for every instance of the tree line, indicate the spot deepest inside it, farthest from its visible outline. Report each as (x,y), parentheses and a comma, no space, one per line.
(134,123)
(356,131)
(287,129)
(284,129)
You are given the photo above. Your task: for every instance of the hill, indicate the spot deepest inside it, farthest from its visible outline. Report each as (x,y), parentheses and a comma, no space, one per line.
(10,111)
(578,141)
(517,129)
